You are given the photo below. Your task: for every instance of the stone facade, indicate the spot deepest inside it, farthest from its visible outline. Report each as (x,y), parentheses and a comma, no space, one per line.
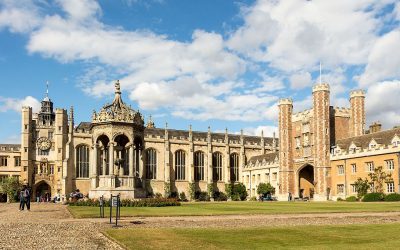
(117,153)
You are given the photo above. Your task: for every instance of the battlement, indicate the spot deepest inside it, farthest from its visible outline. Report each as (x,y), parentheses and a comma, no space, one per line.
(285,101)
(321,87)
(357,93)
(303,115)
(342,111)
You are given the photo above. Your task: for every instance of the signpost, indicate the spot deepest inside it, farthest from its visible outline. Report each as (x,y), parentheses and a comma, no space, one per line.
(115,202)
(101,206)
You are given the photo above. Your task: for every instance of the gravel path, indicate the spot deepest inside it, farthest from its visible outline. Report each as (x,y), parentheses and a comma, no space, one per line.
(49,226)
(235,221)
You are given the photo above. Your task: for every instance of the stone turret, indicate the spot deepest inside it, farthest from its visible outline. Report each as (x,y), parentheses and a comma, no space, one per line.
(357,112)
(321,125)
(286,176)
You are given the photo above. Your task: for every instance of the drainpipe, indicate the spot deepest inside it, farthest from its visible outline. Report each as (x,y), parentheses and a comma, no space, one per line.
(398,172)
(345,178)
(250,182)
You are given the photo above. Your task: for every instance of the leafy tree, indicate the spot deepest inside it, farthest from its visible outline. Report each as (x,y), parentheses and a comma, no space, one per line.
(11,186)
(378,177)
(362,187)
(265,188)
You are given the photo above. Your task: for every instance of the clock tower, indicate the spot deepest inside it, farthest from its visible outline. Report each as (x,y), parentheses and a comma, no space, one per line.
(44,135)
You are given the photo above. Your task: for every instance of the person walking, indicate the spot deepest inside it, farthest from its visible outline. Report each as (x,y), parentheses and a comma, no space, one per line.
(27,196)
(22,198)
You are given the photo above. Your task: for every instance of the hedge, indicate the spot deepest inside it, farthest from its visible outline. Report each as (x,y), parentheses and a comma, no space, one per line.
(148,202)
(370,197)
(392,197)
(351,198)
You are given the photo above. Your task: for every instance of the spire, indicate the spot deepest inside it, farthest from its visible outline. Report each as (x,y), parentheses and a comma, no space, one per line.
(47,88)
(320,72)
(150,123)
(46,98)
(117,99)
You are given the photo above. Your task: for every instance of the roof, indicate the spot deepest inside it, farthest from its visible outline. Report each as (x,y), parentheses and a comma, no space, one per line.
(383,137)
(10,147)
(218,136)
(267,157)
(84,126)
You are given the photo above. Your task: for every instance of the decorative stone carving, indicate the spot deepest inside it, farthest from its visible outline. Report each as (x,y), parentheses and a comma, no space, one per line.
(117,111)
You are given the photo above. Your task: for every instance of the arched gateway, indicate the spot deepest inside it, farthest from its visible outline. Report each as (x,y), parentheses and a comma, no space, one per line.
(306,182)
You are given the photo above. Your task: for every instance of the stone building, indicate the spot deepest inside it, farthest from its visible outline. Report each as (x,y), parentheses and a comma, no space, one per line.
(320,147)
(320,152)
(117,153)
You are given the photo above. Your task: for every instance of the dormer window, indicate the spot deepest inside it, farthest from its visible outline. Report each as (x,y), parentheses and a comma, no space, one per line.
(373,144)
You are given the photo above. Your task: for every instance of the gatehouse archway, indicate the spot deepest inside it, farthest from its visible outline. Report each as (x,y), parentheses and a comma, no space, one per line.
(306,182)
(42,189)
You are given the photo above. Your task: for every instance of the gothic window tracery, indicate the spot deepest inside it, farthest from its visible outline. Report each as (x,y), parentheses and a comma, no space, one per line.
(82,161)
(180,165)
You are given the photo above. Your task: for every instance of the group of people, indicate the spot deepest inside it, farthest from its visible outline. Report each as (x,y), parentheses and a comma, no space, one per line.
(43,198)
(25,198)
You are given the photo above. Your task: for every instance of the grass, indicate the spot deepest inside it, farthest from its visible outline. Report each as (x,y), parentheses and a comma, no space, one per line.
(230,208)
(364,236)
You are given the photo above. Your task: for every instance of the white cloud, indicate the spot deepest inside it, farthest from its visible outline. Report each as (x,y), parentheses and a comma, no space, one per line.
(300,80)
(384,60)
(13,104)
(382,103)
(296,35)
(267,130)
(19,16)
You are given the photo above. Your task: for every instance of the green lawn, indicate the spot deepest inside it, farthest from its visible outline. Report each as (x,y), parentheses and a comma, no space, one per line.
(226,208)
(365,236)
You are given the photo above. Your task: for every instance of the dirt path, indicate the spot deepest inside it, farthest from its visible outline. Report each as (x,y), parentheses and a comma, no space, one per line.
(234,221)
(49,226)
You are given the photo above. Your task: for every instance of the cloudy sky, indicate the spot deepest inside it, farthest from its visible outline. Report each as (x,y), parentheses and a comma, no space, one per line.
(211,62)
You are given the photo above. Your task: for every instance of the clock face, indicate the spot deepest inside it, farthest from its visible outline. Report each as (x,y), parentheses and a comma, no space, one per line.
(43,143)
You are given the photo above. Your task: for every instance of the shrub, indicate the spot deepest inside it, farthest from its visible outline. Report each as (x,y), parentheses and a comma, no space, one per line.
(351,198)
(265,189)
(148,202)
(253,198)
(373,197)
(158,195)
(182,197)
(202,196)
(228,189)
(240,190)
(339,199)
(235,197)
(174,195)
(192,190)
(220,196)
(392,197)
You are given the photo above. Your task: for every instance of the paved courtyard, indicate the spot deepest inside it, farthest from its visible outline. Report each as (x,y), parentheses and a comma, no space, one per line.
(49,226)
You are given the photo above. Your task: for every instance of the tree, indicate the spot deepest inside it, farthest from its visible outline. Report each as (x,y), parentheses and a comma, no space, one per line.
(362,187)
(378,177)
(11,186)
(265,188)
(240,190)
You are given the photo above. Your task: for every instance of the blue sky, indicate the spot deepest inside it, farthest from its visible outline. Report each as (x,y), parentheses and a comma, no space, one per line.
(207,63)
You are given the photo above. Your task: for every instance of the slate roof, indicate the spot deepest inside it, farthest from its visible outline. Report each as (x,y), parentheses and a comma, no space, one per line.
(14,147)
(383,137)
(267,157)
(215,136)
(84,125)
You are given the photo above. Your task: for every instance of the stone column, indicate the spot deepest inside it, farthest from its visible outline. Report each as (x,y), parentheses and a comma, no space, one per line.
(140,151)
(93,174)
(95,157)
(103,161)
(111,160)
(131,159)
